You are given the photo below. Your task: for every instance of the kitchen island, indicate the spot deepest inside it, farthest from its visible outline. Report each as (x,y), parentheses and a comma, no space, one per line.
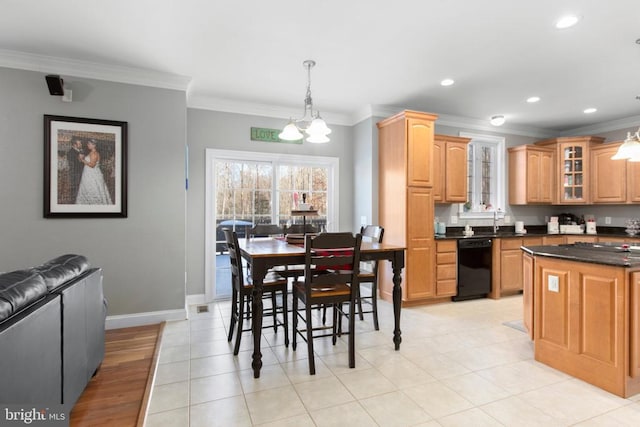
(582,309)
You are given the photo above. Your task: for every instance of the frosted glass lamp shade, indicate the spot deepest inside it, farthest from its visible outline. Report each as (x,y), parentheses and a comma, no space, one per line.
(290,133)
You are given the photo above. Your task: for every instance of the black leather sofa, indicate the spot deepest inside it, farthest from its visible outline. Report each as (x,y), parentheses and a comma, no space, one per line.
(52,328)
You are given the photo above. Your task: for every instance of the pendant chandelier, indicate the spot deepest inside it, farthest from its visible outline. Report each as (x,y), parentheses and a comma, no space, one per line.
(310,123)
(630,148)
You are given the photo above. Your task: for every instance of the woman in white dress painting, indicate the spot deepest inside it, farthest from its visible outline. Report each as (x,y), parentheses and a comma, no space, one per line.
(92,190)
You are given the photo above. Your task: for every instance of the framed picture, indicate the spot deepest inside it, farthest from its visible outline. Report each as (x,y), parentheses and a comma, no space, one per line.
(85,168)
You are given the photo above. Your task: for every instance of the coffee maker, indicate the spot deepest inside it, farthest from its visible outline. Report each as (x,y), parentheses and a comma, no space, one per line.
(568,219)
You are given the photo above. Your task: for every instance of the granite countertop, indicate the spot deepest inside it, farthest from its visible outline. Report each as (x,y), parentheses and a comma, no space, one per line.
(596,253)
(532,231)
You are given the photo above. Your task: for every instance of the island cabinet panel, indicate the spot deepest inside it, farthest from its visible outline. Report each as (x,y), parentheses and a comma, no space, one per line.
(552,294)
(599,299)
(527,292)
(582,324)
(634,326)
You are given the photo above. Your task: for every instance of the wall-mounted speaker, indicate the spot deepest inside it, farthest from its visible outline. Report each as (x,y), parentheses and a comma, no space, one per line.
(55,84)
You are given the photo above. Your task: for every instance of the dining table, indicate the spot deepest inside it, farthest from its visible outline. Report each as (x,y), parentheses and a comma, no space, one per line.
(263,253)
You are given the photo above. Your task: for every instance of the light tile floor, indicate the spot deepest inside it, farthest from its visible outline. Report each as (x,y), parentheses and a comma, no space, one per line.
(458,366)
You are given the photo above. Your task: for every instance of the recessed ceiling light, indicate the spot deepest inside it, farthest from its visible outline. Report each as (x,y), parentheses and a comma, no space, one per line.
(567,21)
(497,120)
(533,99)
(590,110)
(447,82)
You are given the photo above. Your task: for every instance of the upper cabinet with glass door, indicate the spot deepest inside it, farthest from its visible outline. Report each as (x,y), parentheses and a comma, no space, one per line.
(573,167)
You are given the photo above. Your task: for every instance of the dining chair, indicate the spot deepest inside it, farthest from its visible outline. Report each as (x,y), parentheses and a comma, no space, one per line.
(332,263)
(265,230)
(369,275)
(241,294)
(300,229)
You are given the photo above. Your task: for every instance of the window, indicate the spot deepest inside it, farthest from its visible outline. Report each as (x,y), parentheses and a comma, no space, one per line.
(266,192)
(247,188)
(485,179)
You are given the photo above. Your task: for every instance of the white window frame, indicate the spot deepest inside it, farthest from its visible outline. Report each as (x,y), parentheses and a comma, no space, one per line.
(498,185)
(214,155)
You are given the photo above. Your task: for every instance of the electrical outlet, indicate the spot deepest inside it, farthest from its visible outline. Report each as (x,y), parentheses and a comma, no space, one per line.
(363,220)
(546,218)
(454,219)
(507,219)
(553,284)
(607,220)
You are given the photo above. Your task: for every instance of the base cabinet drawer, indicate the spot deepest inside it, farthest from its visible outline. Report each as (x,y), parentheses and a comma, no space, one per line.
(446,271)
(446,288)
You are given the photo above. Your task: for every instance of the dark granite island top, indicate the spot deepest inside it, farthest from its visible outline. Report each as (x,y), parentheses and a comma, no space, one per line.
(615,254)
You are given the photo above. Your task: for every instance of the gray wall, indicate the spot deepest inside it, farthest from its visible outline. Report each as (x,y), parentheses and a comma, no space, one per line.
(227,131)
(364,167)
(143,256)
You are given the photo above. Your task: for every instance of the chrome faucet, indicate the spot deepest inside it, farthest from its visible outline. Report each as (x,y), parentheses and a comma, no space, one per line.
(496,227)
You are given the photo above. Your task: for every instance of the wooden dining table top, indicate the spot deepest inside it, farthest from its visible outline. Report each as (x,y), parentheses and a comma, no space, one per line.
(273,247)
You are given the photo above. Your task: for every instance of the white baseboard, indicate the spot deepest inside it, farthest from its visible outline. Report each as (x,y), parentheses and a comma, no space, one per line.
(196,299)
(139,319)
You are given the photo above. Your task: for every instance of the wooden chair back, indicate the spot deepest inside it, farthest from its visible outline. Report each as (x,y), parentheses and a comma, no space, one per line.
(331,259)
(235,259)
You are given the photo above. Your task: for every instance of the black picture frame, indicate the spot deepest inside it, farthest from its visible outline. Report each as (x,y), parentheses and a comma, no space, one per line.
(72,144)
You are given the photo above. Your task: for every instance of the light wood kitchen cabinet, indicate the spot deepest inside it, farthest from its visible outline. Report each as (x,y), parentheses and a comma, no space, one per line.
(507,264)
(608,177)
(450,169)
(613,181)
(573,238)
(531,175)
(633,182)
(553,240)
(572,167)
(419,151)
(446,268)
(406,201)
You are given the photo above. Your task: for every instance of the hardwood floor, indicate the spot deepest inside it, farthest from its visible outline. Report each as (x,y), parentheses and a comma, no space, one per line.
(119,393)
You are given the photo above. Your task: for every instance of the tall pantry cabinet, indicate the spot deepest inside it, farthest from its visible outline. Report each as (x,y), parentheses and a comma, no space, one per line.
(406,201)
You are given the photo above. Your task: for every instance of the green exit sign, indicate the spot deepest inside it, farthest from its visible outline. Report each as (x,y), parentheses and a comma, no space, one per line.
(269,135)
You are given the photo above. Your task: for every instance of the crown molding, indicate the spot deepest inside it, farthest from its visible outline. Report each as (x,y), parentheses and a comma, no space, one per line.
(613,125)
(468,123)
(204,102)
(92,70)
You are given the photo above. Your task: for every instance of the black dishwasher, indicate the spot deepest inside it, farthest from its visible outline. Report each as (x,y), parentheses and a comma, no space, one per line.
(474,269)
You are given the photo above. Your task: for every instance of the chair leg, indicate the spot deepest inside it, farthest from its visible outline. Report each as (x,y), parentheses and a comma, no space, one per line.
(324,313)
(294,313)
(337,324)
(273,308)
(234,313)
(359,302)
(309,326)
(236,348)
(285,315)
(374,304)
(352,335)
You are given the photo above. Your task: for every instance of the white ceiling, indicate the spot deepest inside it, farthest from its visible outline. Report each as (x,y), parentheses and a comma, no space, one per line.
(247,55)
